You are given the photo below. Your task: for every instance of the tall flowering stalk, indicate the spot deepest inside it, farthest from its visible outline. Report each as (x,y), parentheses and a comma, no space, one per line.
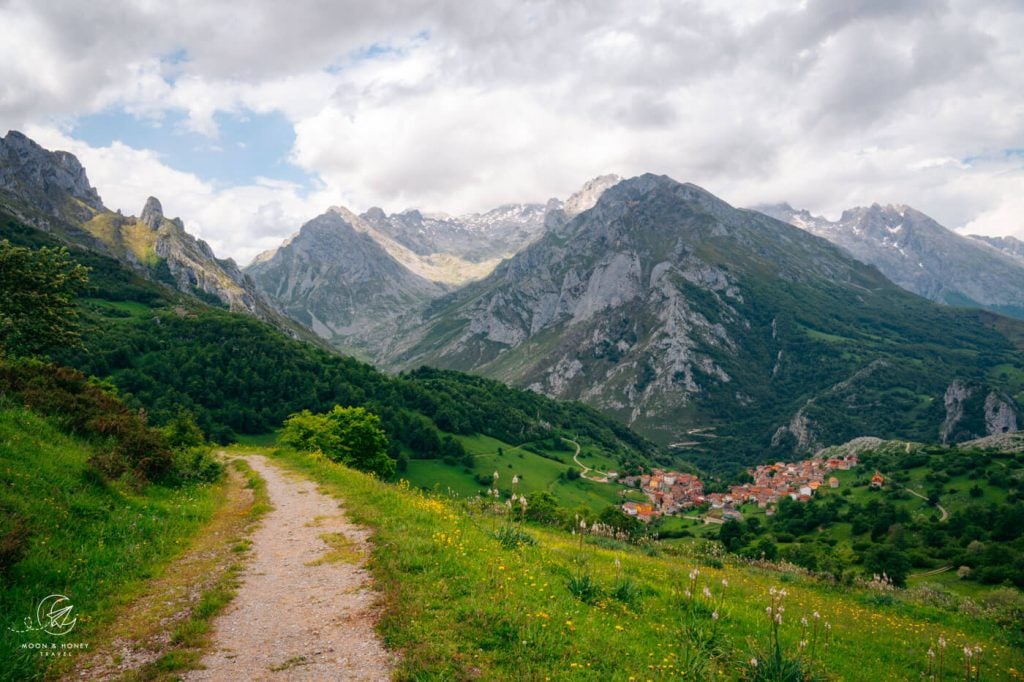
(774,612)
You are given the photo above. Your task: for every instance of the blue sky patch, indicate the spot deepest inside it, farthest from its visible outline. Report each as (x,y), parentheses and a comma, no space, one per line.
(250,145)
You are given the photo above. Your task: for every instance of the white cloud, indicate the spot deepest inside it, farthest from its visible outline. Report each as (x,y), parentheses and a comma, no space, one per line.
(459,106)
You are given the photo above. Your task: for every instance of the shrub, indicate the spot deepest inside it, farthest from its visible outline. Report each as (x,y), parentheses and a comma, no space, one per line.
(350,435)
(89,411)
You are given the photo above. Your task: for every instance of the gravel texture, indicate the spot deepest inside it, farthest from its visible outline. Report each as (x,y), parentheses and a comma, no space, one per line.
(298,616)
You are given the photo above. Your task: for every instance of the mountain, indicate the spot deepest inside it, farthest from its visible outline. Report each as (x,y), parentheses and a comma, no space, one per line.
(475,238)
(921,255)
(1011,246)
(51,191)
(351,278)
(337,278)
(725,332)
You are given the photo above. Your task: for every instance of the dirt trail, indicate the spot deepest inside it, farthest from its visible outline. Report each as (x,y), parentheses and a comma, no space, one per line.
(304,611)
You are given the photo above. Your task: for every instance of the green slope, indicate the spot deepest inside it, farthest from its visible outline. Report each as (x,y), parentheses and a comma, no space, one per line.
(670,310)
(64,528)
(166,351)
(460,606)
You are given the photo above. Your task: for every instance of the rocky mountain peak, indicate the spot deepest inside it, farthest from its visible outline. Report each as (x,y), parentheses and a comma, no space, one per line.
(375,216)
(920,255)
(152,213)
(43,178)
(588,195)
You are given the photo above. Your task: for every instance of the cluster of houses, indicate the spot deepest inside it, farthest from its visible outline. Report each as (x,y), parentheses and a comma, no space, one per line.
(772,482)
(669,492)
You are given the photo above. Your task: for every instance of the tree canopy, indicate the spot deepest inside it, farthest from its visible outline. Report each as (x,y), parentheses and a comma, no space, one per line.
(350,435)
(37,299)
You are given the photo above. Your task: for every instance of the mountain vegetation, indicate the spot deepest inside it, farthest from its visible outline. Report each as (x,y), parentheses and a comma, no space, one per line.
(726,334)
(167,352)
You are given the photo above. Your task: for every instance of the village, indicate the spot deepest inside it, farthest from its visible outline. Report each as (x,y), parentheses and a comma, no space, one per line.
(671,492)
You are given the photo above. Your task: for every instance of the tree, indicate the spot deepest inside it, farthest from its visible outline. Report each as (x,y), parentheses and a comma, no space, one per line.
(730,534)
(350,435)
(182,431)
(37,299)
(891,561)
(542,507)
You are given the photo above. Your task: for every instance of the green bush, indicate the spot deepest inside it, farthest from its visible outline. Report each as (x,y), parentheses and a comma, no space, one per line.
(350,435)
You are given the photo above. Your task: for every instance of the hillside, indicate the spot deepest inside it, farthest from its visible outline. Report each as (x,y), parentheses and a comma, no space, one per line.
(336,278)
(950,516)
(79,494)
(351,278)
(166,351)
(471,592)
(922,256)
(731,336)
(50,191)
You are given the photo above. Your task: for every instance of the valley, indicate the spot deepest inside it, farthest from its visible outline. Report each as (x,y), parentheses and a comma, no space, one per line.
(723,362)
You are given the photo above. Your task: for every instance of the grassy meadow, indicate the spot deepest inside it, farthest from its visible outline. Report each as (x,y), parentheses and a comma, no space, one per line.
(471,594)
(67,530)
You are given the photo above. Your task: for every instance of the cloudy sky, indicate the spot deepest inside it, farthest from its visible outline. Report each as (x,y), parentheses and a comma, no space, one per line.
(248,118)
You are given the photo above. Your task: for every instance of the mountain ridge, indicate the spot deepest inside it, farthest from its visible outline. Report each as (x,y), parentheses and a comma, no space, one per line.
(922,256)
(50,190)
(663,305)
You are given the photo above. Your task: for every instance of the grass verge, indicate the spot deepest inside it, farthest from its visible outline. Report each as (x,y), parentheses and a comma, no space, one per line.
(167,628)
(67,530)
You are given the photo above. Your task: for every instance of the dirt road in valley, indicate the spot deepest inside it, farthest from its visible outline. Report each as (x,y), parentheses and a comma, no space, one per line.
(305,609)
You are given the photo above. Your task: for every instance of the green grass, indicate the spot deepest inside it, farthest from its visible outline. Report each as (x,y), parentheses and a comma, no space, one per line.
(535,472)
(122,308)
(259,439)
(92,540)
(459,606)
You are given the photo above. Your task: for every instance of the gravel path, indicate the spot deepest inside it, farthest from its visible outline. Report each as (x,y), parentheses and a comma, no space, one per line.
(305,610)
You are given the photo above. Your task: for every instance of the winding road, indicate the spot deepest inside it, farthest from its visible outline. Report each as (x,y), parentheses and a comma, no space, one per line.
(584,467)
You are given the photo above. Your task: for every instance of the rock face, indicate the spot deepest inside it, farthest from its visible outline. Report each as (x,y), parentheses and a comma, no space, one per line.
(475,238)
(352,278)
(922,256)
(1011,246)
(1000,417)
(667,307)
(193,268)
(51,190)
(335,277)
(52,182)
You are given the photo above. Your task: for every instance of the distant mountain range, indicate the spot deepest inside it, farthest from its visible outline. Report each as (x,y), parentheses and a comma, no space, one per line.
(722,331)
(351,278)
(726,333)
(922,256)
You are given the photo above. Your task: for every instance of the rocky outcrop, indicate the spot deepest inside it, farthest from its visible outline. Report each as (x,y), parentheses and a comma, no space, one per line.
(588,195)
(152,214)
(53,182)
(969,417)
(1000,417)
(922,256)
(954,400)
